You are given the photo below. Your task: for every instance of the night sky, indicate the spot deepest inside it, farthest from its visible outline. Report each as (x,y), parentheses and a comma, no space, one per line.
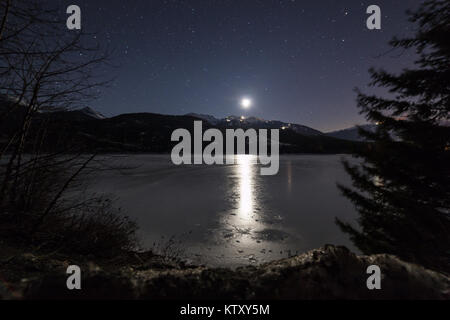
(298,61)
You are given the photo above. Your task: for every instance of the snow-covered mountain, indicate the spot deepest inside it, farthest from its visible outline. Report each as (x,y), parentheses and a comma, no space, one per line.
(92,113)
(256,123)
(210,119)
(352,133)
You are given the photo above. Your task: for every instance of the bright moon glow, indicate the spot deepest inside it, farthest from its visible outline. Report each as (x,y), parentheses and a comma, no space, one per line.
(246,103)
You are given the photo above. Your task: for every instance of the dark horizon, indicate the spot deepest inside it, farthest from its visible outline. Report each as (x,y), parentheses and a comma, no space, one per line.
(221,118)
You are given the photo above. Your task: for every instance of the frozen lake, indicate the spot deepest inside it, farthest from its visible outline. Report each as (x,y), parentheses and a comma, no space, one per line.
(231,215)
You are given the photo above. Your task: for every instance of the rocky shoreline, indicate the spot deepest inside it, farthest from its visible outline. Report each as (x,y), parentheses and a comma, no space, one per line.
(327,273)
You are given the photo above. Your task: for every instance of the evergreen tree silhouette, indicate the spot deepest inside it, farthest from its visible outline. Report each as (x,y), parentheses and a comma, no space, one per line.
(401,188)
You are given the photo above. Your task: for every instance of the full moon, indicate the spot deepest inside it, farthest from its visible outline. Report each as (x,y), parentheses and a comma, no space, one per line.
(246,103)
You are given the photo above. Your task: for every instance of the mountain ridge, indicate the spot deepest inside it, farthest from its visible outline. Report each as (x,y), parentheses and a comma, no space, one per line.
(352,133)
(85,130)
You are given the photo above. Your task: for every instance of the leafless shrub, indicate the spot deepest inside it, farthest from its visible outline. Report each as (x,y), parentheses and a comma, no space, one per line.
(46,68)
(170,249)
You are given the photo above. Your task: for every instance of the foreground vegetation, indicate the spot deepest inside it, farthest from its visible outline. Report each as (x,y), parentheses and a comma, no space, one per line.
(325,273)
(402,187)
(43,70)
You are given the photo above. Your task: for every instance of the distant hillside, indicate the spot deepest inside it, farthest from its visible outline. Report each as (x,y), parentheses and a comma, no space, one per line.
(87,131)
(352,133)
